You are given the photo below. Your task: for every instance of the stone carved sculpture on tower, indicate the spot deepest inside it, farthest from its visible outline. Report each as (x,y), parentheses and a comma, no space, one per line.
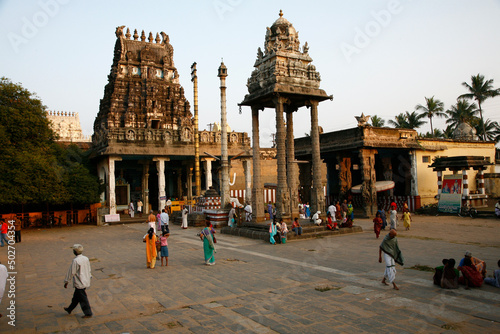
(143,99)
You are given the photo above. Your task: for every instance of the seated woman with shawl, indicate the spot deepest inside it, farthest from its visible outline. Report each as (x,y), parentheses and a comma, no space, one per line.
(449,279)
(470,276)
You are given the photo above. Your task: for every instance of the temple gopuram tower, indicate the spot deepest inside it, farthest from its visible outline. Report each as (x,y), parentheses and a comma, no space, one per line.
(144,121)
(285,79)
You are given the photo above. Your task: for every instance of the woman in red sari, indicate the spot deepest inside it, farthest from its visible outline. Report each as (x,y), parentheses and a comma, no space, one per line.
(470,276)
(377,224)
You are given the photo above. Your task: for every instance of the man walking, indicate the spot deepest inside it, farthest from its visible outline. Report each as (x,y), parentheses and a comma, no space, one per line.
(131,209)
(79,273)
(164,219)
(392,255)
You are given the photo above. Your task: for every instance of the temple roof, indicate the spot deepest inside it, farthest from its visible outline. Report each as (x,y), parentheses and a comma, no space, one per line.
(283,67)
(460,163)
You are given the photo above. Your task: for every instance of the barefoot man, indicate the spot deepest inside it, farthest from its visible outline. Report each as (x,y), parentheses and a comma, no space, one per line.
(392,255)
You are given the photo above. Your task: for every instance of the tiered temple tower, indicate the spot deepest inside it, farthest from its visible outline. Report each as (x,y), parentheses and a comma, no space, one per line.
(144,119)
(285,79)
(143,93)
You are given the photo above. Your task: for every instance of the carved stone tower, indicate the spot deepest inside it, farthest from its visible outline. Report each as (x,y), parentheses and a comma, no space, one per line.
(143,92)
(285,79)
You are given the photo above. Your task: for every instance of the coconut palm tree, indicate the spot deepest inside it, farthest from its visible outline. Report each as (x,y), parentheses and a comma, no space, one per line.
(399,122)
(462,112)
(448,132)
(492,130)
(432,108)
(480,90)
(377,121)
(407,120)
(436,134)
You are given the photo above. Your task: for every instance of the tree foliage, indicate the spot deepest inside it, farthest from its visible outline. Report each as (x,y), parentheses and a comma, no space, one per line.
(462,112)
(377,121)
(432,108)
(408,120)
(480,90)
(34,168)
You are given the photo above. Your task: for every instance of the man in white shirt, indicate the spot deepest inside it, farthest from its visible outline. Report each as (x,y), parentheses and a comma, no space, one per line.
(332,209)
(3,281)
(168,206)
(248,212)
(79,274)
(164,219)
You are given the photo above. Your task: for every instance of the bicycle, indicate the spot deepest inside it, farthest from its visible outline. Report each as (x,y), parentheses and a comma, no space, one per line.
(467,210)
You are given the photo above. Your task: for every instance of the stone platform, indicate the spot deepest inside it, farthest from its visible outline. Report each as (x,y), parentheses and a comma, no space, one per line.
(309,231)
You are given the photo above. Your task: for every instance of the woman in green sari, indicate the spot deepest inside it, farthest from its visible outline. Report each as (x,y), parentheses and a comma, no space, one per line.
(208,244)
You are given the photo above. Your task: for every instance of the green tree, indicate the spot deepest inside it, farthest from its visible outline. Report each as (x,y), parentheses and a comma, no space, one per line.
(448,132)
(28,168)
(491,128)
(480,90)
(436,134)
(377,121)
(34,168)
(408,120)
(432,108)
(462,112)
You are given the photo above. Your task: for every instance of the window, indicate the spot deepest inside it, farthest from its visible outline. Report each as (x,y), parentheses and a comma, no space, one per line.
(426,159)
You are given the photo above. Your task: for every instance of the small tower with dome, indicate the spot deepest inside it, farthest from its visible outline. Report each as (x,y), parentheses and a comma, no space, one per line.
(285,80)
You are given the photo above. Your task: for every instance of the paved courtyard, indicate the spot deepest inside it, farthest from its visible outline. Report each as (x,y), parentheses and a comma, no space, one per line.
(327,285)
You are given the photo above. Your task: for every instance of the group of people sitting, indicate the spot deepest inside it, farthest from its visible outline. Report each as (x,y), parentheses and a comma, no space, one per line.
(470,272)
(278,232)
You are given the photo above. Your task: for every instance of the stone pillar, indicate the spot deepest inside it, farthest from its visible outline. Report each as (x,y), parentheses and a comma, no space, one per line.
(208,172)
(466,183)
(282,192)
(111,184)
(102,170)
(248,180)
(190,183)
(387,167)
(160,168)
(180,193)
(414,176)
(291,170)
(368,191)
(145,185)
(317,195)
(345,177)
(257,195)
(440,182)
(480,177)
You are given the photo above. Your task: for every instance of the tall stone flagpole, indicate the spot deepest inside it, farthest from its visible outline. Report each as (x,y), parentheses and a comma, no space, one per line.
(194,79)
(224,191)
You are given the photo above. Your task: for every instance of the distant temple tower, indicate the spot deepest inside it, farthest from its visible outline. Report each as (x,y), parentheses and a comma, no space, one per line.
(285,79)
(67,126)
(144,119)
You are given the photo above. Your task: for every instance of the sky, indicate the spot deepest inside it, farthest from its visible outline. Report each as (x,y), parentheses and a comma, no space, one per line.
(375,57)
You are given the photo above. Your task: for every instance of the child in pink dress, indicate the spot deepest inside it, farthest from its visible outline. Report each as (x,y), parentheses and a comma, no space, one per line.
(164,248)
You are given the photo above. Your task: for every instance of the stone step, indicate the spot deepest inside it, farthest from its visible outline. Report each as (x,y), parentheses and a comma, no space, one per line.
(307,233)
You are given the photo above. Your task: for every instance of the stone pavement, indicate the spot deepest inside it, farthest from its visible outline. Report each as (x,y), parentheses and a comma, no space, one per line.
(326,285)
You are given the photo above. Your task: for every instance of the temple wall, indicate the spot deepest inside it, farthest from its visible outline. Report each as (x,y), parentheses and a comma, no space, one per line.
(427,178)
